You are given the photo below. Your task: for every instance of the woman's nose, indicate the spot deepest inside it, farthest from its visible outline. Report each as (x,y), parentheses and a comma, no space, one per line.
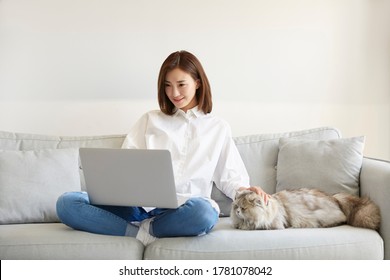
(175,92)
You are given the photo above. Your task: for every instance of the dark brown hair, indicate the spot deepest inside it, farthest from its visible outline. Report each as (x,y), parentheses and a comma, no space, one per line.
(188,63)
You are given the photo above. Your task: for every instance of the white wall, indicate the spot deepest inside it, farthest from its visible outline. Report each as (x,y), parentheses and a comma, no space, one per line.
(75,67)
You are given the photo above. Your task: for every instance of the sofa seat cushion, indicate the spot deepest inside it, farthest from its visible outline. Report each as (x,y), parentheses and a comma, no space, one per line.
(57,241)
(224,242)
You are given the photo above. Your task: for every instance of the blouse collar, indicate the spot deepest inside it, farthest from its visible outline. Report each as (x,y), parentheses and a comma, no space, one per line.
(191,113)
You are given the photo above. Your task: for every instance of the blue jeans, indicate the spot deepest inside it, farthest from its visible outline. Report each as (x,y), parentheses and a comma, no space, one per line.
(194,217)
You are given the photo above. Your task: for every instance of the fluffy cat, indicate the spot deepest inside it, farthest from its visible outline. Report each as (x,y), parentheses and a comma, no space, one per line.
(303,208)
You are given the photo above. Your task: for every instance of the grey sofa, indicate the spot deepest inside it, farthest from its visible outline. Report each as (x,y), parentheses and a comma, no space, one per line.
(40,236)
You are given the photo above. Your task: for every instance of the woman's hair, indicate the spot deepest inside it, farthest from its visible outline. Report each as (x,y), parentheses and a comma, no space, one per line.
(188,63)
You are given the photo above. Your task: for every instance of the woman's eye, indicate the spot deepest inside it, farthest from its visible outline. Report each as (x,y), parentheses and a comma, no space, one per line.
(167,85)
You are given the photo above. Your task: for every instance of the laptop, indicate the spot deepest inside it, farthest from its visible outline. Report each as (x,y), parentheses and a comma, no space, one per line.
(129,177)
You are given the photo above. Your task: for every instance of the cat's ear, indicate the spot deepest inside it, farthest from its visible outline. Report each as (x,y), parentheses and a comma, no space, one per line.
(238,193)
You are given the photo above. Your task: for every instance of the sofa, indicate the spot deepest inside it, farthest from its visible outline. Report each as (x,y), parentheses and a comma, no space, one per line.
(36,169)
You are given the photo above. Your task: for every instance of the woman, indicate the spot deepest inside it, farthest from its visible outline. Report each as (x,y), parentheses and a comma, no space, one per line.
(202,151)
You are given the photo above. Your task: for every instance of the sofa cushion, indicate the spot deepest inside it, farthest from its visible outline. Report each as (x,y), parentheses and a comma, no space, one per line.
(329,165)
(56,241)
(343,242)
(29,142)
(260,153)
(31,182)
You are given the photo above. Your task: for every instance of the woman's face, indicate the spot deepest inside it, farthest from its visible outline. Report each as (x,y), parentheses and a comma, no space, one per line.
(180,88)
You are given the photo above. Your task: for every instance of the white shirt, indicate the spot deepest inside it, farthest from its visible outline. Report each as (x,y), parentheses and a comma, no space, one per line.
(202,150)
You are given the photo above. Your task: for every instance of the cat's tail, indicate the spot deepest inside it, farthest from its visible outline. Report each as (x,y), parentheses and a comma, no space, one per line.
(360,211)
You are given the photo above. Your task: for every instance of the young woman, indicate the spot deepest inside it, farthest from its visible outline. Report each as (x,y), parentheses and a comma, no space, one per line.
(203,153)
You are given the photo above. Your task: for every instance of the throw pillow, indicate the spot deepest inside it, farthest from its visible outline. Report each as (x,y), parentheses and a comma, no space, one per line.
(31,182)
(329,165)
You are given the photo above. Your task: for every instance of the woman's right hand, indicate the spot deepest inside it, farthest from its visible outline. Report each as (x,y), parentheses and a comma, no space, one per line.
(259,191)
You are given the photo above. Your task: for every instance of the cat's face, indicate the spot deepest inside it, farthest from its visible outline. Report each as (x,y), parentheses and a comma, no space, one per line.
(247,205)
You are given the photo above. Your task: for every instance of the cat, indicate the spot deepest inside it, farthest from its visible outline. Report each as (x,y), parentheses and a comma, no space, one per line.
(303,208)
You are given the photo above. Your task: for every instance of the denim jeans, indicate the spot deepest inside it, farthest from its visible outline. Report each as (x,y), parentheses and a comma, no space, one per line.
(194,217)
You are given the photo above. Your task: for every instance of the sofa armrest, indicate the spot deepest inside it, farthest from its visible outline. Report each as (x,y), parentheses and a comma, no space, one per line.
(375,183)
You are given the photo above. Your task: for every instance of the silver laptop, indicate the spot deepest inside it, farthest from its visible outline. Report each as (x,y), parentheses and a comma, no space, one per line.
(129,177)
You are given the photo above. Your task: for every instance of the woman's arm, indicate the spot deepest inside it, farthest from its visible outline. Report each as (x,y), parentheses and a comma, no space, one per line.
(135,139)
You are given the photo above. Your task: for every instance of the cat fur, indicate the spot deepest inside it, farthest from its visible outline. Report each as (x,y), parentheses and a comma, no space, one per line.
(303,208)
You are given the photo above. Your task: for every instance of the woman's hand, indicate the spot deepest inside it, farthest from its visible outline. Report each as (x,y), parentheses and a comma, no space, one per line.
(259,191)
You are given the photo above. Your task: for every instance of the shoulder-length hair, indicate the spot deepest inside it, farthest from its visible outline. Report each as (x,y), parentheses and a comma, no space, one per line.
(188,63)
